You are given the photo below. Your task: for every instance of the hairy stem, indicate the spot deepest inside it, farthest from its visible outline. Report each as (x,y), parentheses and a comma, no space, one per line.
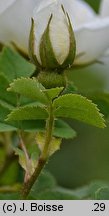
(43,157)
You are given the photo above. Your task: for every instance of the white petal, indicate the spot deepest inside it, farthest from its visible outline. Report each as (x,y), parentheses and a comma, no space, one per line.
(15,22)
(104,8)
(4,4)
(59,34)
(106,54)
(40,5)
(92,40)
(41,17)
(79,11)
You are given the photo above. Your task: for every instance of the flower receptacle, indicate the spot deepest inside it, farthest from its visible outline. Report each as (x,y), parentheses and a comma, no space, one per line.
(52,79)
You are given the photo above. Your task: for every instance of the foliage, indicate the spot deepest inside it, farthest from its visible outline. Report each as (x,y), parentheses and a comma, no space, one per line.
(24,109)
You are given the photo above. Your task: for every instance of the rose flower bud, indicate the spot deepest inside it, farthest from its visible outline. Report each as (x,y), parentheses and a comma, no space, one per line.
(52,42)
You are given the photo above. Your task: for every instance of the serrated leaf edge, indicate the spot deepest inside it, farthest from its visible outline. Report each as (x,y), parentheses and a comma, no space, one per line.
(21,108)
(22,78)
(90,101)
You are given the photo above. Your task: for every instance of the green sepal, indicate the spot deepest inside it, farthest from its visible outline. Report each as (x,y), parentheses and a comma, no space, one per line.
(72,47)
(32,45)
(47,55)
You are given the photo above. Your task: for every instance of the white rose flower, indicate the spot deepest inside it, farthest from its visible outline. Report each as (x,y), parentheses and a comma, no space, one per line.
(15,21)
(104,8)
(91,30)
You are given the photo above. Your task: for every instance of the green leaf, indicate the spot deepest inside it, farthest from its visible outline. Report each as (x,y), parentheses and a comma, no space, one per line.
(27,113)
(10,176)
(6,97)
(5,127)
(70,88)
(45,188)
(80,108)
(9,196)
(26,125)
(56,194)
(6,105)
(53,92)
(44,182)
(4,111)
(89,191)
(32,125)
(82,192)
(29,88)
(102,193)
(63,130)
(14,66)
(54,145)
(10,99)
(95,186)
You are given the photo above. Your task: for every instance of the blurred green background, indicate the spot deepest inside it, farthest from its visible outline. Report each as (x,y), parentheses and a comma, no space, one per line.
(86,158)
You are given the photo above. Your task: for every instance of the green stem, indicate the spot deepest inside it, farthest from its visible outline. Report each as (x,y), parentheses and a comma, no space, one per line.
(43,157)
